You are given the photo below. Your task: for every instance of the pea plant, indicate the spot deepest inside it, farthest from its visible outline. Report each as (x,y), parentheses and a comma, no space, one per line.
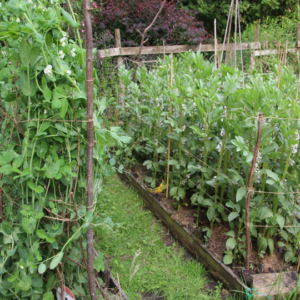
(213,136)
(43,113)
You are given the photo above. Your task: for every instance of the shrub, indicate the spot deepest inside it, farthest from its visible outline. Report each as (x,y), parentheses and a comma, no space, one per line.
(174,26)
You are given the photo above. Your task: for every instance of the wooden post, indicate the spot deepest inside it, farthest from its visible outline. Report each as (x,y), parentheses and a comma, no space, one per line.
(120,64)
(256,33)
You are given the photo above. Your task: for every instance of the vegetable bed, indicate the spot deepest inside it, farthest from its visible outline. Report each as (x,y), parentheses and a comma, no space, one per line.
(210,118)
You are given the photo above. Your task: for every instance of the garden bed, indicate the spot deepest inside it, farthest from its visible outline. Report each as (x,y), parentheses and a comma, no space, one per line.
(181,224)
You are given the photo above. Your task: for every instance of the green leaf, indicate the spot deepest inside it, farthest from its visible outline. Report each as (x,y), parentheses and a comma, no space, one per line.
(280,221)
(28,86)
(265,213)
(24,52)
(50,239)
(25,283)
(241,192)
(227,259)
(99,263)
(18,161)
(42,268)
(271,245)
(52,170)
(39,215)
(31,184)
(39,189)
(173,191)
(210,213)
(172,162)
(41,233)
(125,139)
(288,256)
(230,243)
(47,94)
(230,233)
(68,19)
(56,260)
(48,296)
(28,224)
(232,216)
(64,107)
(61,128)
(8,169)
(16,6)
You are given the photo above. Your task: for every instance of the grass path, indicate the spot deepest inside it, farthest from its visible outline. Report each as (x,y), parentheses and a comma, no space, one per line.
(136,251)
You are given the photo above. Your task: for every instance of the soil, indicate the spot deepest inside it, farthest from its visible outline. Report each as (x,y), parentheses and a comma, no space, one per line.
(186,216)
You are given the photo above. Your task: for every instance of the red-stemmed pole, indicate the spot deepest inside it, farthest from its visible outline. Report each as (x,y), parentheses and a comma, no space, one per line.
(248,237)
(90,144)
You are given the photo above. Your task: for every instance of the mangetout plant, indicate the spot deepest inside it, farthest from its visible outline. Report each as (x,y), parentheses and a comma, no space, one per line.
(214,129)
(43,152)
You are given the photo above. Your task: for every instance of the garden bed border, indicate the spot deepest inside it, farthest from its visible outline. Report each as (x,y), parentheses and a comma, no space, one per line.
(216,267)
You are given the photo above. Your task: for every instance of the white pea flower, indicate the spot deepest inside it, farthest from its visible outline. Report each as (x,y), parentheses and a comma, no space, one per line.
(0,4)
(73,54)
(68,72)
(183,128)
(62,41)
(219,147)
(48,70)
(61,54)
(34,5)
(45,112)
(222,132)
(4,52)
(51,1)
(292,162)
(297,136)
(29,1)
(17,20)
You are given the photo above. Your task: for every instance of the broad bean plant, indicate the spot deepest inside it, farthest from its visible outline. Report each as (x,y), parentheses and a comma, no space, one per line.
(213,136)
(43,151)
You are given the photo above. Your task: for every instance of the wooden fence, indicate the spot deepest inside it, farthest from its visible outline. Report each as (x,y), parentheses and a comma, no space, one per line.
(120,51)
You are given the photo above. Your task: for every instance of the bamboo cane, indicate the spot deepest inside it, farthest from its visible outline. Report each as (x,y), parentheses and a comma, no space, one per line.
(215,39)
(169,141)
(235,33)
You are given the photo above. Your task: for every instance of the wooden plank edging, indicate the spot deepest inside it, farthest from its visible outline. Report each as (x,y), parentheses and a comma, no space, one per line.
(216,267)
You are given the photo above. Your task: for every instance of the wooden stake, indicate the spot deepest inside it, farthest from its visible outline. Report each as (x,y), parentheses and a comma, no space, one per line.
(286,52)
(235,32)
(229,18)
(169,141)
(120,294)
(256,33)
(297,93)
(248,237)
(120,64)
(280,68)
(240,33)
(216,53)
